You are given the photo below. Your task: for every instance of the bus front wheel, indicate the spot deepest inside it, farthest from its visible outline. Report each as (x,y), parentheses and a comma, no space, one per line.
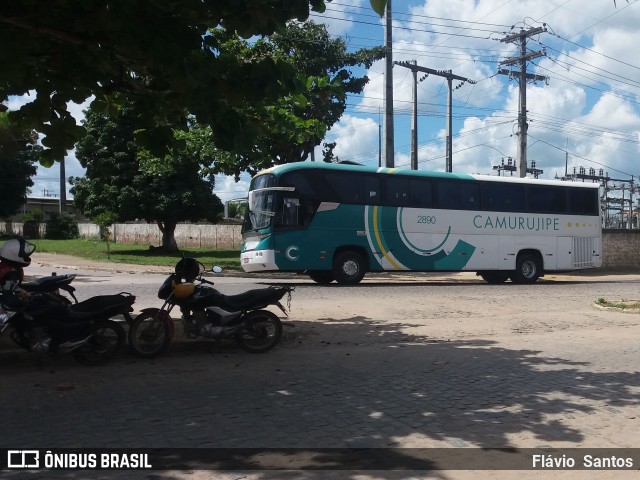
(349,268)
(528,269)
(323,277)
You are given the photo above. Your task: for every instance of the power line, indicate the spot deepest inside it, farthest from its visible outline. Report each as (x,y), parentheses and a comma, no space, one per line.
(396,13)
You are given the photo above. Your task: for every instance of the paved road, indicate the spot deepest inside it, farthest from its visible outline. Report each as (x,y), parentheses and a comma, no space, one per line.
(403,362)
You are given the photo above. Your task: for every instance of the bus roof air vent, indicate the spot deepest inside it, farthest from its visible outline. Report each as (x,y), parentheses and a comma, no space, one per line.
(350,162)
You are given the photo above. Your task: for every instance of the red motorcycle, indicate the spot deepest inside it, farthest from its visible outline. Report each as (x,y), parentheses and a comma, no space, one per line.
(208,313)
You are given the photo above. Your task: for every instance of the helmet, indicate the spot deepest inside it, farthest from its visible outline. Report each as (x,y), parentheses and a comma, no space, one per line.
(188,268)
(17,252)
(182,290)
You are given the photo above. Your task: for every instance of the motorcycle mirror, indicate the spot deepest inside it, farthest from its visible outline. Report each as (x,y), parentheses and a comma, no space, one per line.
(216,269)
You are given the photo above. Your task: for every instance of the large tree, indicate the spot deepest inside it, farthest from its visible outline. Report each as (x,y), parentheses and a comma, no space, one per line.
(70,50)
(294,124)
(130,183)
(18,153)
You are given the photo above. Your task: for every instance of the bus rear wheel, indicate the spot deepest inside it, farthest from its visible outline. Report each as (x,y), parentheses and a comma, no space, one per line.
(528,269)
(323,277)
(349,267)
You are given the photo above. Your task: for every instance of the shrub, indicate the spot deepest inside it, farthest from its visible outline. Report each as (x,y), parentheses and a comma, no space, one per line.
(61,226)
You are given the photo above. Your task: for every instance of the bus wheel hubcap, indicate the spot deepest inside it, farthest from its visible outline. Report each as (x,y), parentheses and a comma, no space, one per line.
(528,269)
(350,268)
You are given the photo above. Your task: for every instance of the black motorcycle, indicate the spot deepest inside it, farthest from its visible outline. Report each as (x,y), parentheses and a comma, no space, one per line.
(52,284)
(47,324)
(208,313)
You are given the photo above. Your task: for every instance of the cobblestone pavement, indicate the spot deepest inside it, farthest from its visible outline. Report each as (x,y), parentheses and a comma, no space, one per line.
(356,381)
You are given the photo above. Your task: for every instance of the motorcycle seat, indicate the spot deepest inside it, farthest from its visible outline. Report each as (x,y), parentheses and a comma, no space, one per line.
(256,298)
(102,306)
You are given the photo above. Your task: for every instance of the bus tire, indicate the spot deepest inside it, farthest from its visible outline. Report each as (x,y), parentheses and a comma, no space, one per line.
(494,278)
(323,277)
(349,267)
(528,269)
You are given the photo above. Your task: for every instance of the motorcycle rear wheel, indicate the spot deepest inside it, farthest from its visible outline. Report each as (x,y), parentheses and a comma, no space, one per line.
(107,338)
(261,332)
(148,335)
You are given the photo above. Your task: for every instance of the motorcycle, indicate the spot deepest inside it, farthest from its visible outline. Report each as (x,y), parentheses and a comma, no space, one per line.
(208,313)
(52,284)
(46,323)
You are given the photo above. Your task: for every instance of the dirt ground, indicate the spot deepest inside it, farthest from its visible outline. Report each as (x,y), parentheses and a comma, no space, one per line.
(552,331)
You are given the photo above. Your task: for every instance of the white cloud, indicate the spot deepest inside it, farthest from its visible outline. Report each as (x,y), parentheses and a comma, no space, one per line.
(590,105)
(227,188)
(338,17)
(358,139)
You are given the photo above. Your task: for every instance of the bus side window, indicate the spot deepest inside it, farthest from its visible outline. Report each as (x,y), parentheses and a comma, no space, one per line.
(545,199)
(458,195)
(583,201)
(420,193)
(290,212)
(500,197)
(347,188)
(397,192)
(372,190)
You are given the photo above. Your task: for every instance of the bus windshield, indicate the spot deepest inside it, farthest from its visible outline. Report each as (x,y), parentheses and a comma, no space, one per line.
(262,210)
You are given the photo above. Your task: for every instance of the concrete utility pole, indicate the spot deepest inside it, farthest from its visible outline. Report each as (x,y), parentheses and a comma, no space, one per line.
(388,91)
(63,188)
(414,121)
(522,76)
(450,77)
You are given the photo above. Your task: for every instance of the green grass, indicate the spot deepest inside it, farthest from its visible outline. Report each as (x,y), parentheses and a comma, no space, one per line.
(622,304)
(136,254)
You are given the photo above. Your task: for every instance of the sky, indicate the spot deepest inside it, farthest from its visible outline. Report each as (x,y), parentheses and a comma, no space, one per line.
(586,113)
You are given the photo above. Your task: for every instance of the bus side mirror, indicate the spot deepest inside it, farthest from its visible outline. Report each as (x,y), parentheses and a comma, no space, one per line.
(252,201)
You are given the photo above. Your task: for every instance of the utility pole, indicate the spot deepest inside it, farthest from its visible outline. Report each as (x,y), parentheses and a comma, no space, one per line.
(566,159)
(414,123)
(449,152)
(388,91)
(450,77)
(63,188)
(523,76)
(379,138)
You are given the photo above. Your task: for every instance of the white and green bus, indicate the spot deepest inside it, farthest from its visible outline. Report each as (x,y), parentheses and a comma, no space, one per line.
(337,222)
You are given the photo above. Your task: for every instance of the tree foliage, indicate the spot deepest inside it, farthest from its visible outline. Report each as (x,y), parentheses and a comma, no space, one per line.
(18,154)
(62,51)
(294,124)
(132,183)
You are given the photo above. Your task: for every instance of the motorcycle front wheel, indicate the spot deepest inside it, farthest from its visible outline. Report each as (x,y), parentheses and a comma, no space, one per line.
(148,335)
(107,338)
(261,331)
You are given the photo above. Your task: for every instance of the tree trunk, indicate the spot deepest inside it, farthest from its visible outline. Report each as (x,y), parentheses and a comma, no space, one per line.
(168,239)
